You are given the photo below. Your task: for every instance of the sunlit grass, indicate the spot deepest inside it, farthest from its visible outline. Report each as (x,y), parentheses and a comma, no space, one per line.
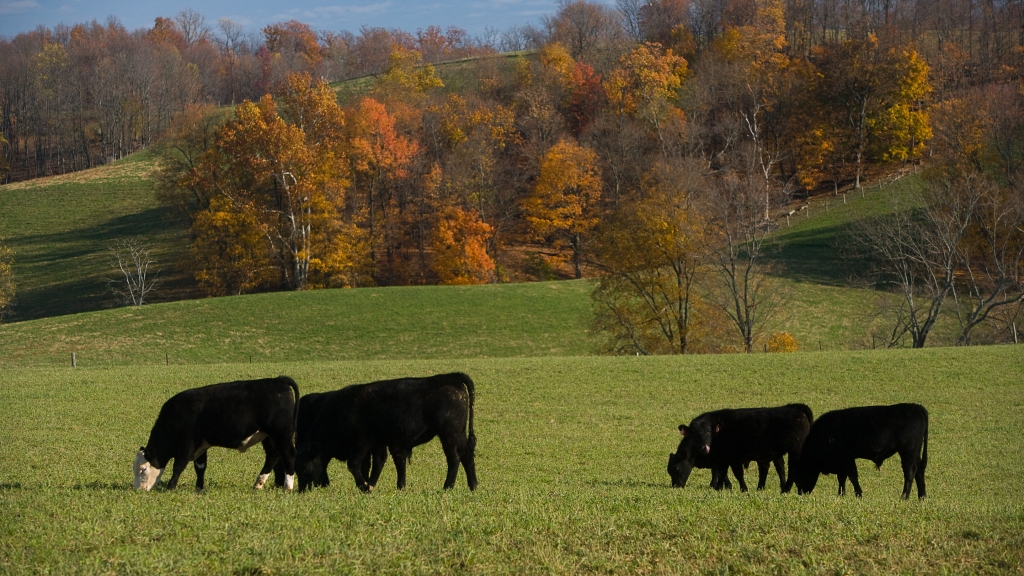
(571,460)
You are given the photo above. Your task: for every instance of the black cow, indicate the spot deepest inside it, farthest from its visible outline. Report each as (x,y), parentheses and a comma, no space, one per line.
(732,438)
(230,415)
(398,415)
(309,409)
(874,433)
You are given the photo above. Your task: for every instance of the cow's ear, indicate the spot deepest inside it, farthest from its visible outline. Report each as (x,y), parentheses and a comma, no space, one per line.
(718,427)
(683,430)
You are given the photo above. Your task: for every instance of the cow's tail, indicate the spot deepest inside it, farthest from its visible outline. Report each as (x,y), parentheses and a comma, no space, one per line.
(472,400)
(924,451)
(806,410)
(295,390)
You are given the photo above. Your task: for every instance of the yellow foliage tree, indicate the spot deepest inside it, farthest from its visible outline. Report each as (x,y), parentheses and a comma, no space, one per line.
(651,259)
(288,179)
(781,342)
(565,198)
(646,85)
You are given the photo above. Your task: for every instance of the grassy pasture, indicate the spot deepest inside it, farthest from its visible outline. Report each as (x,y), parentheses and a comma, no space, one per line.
(571,461)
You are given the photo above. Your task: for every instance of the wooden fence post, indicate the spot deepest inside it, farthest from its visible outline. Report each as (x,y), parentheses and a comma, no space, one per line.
(74,362)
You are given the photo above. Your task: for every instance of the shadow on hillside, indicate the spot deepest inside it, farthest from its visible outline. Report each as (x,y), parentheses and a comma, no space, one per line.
(69,269)
(819,255)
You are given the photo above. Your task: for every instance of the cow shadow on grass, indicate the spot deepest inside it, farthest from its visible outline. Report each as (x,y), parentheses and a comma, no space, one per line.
(5,486)
(103,486)
(629,484)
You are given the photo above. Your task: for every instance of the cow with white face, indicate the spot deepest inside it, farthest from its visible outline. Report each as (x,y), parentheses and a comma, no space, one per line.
(233,415)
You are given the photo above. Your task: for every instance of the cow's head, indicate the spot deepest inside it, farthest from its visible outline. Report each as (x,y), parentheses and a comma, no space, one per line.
(680,464)
(700,432)
(805,476)
(308,467)
(146,472)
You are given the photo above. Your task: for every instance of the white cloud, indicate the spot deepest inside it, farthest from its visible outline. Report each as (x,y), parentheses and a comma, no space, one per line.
(15,6)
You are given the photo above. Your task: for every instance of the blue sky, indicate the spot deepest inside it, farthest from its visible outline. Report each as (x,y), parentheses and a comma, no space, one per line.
(472,15)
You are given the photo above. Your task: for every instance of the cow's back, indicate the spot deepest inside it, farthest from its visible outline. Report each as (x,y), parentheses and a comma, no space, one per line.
(868,432)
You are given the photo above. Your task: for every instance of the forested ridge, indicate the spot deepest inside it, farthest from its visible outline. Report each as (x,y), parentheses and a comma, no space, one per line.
(656,145)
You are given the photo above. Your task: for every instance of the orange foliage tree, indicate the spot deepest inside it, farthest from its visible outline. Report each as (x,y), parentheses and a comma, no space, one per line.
(459,243)
(289,183)
(565,198)
(381,159)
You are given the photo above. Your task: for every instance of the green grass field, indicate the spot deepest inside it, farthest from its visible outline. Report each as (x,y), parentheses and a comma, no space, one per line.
(571,459)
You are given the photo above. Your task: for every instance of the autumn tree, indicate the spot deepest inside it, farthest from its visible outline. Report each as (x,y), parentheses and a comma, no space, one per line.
(990,267)
(381,160)
(229,254)
(650,253)
(564,199)
(646,85)
(459,243)
(915,248)
(290,178)
(876,92)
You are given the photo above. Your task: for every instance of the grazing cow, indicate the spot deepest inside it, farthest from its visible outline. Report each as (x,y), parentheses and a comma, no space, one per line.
(732,438)
(874,433)
(309,408)
(396,415)
(231,415)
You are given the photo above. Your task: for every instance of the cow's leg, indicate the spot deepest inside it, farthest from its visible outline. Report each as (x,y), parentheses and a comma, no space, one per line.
(200,466)
(737,470)
(284,444)
(841,476)
(852,472)
(780,469)
(910,464)
(451,454)
(720,478)
(355,467)
(468,464)
(278,473)
(270,448)
(762,473)
(380,457)
(324,479)
(399,458)
(180,463)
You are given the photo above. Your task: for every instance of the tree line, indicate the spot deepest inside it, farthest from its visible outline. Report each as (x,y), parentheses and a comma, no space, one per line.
(652,145)
(74,97)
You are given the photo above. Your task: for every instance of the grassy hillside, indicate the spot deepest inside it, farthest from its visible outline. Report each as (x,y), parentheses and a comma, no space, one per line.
(61,228)
(571,460)
(539,319)
(503,320)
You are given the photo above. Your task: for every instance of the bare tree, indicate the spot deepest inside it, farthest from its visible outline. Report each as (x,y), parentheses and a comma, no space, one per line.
(629,10)
(918,247)
(130,257)
(737,250)
(193,26)
(990,257)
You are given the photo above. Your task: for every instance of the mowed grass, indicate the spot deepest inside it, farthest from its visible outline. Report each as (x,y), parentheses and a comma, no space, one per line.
(61,228)
(571,459)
